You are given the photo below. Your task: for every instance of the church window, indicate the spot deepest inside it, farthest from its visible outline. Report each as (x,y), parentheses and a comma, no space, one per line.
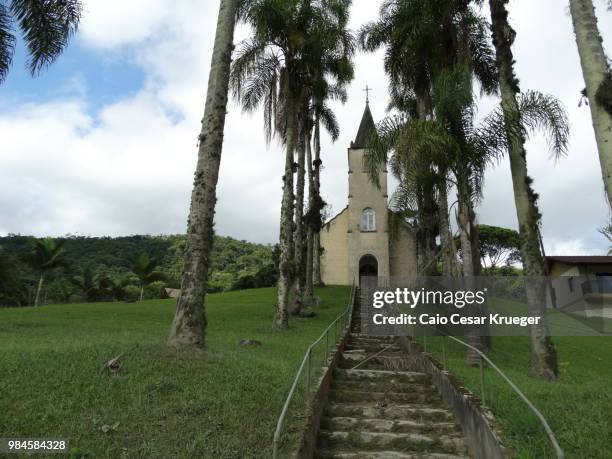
(368,220)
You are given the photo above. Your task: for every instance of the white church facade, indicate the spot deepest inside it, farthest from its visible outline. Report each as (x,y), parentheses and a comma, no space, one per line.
(357,241)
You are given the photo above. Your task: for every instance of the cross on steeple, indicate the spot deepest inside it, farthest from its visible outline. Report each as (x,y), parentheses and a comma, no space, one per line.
(367,91)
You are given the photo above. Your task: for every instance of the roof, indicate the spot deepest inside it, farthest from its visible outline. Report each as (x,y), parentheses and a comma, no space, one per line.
(365,128)
(334,217)
(582,260)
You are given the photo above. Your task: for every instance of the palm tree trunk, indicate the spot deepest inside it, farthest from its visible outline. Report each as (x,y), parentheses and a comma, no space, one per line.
(544,358)
(594,69)
(431,224)
(475,241)
(41,281)
(465,224)
(300,259)
(446,237)
(189,324)
(316,247)
(316,260)
(309,287)
(286,268)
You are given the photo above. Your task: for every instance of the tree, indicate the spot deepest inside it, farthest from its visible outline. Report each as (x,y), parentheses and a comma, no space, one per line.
(146,271)
(272,69)
(433,49)
(46,27)
(60,290)
(516,116)
(89,284)
(189,324)
(330,71)
(498,245)
(598,79)
(45,257)
(13,291)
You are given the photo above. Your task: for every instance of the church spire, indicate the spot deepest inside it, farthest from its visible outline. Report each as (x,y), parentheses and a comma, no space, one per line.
(365,128)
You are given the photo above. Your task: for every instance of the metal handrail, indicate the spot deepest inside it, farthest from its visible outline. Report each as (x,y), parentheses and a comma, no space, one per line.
(540,416)
(306,360)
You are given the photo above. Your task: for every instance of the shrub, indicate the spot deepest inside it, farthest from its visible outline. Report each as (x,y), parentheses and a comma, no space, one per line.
(132,293)
(155,290)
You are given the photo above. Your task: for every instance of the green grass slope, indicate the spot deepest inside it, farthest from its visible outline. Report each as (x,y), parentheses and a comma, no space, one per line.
(220,403)
(578,405)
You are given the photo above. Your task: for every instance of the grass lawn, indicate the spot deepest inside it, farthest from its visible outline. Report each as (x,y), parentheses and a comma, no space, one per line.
(578,406)
(223,402)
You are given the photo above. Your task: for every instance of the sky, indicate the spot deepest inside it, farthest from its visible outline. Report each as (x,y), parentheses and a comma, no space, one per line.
(105,141)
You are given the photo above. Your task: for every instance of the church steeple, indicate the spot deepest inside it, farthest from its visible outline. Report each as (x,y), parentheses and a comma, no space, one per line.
(365,128)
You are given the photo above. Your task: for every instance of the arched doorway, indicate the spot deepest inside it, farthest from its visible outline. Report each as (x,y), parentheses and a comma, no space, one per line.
(368,266)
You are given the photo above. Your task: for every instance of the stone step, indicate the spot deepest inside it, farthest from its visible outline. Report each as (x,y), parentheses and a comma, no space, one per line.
(387,425)
(383,361)
(375,410)
(380,385)
(341,454)
(364,337)
(402,442)
(384,375)
(357,396)
(375,366)
(385,349)
(371,347)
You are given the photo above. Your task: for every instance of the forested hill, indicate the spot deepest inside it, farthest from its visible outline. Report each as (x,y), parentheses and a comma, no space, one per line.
(236,264)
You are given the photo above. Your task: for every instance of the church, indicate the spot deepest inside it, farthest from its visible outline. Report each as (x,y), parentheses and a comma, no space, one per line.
(357,241)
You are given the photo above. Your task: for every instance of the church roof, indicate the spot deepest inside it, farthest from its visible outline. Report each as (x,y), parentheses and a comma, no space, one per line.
(365,128)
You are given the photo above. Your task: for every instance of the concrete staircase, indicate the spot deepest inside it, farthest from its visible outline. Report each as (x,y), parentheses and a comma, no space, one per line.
(376,412)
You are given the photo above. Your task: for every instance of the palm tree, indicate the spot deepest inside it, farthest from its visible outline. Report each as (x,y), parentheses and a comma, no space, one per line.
(299,249)
(433,49)
(265,71)
(323,117)
(330,71)
(544,359)
(45,257)
(272,69)
(88,283)
(598,79)
(146,271)
(189,324)
(46,27)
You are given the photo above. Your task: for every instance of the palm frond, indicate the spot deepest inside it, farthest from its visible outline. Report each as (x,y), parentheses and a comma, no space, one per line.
(536,111)
(248,54)
(545,112)
(330,122)
(380,145)
(47,27)
(481,56)
(261,83)
(7,42)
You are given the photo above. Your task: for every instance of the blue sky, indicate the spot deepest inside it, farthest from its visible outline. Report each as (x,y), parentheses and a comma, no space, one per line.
(104,141)
(102,77)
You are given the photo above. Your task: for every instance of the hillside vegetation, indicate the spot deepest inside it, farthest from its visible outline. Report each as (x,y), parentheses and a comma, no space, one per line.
(106,264)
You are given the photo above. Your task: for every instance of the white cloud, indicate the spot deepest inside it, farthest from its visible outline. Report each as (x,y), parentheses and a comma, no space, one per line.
(127,167)
(111,24)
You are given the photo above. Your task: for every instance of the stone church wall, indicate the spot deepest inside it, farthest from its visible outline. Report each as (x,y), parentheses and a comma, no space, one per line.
(363,194)
(334,261)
